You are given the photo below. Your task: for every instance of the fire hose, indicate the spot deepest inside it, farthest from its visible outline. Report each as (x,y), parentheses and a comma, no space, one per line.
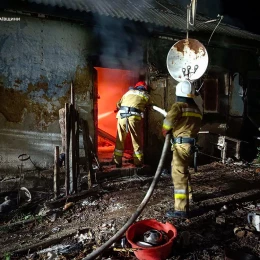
(160,110)
(140,208)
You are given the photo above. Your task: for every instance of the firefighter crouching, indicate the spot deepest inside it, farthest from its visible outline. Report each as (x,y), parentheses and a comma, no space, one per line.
(183,122)
(130,113)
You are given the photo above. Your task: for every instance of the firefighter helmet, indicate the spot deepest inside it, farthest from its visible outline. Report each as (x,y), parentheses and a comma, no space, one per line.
(185,89)
(141,85)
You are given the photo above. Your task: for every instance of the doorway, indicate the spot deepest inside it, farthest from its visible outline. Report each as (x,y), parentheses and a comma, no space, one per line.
(111,85)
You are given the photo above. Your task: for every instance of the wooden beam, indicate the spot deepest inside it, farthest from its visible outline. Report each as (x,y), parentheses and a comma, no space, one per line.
(72,94)
(67,148)
(62,129)
(72,149)
(77,173)
(87,148)
(56,173)
(54,239)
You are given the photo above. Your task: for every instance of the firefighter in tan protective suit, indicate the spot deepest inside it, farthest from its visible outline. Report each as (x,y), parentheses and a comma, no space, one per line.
(130,112)
(183,122)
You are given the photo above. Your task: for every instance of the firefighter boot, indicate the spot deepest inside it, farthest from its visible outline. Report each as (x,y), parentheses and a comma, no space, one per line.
(176,214)
(118,165)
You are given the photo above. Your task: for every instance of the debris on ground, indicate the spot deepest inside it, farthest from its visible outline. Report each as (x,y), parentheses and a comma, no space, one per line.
(223,196)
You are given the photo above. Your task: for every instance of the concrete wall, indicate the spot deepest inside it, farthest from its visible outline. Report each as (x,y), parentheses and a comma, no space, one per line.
(38,59)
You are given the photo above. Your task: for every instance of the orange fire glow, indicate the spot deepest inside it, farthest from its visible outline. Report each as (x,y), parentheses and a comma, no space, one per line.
(112,84)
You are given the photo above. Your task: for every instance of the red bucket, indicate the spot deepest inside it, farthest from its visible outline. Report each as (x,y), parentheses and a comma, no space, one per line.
(137,230)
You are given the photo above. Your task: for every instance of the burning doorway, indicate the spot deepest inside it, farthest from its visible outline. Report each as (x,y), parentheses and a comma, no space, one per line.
(111,85)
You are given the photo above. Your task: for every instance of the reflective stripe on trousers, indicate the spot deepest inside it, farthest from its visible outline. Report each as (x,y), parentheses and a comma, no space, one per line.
(180,175)
(135,130)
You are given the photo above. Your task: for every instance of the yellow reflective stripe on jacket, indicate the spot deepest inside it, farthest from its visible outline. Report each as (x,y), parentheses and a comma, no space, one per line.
(167,125)
(188,109)
(192,114)
(184,119)
(118,152)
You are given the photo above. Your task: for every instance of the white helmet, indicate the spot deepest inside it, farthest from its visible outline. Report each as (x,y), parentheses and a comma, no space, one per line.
(185,89)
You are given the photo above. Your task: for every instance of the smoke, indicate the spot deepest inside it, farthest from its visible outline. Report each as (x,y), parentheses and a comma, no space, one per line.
(117,39)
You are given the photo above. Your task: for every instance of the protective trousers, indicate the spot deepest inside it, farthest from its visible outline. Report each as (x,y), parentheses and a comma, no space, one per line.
(180,176)
(134,129)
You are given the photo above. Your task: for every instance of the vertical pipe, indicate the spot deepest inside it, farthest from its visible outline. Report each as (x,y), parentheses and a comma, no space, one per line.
(56,173)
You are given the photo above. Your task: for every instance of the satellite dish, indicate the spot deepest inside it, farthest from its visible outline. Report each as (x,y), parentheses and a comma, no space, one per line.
(187,60)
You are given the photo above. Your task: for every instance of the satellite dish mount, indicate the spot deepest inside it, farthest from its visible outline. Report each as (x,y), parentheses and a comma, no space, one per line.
(191,14)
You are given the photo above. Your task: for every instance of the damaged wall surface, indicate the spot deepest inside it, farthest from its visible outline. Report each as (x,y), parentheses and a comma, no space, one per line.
(227,69)
(40,57)
(163,95)
(38,60)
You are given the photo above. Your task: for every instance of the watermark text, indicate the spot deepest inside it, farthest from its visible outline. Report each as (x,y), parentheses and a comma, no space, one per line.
(9,19)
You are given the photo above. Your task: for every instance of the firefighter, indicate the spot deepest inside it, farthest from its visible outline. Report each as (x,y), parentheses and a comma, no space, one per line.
(183,123)
(129,119)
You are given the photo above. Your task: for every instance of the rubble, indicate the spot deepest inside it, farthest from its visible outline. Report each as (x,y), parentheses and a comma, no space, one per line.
(221,203)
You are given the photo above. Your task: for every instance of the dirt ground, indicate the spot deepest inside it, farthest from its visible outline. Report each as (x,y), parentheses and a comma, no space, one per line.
(223,195)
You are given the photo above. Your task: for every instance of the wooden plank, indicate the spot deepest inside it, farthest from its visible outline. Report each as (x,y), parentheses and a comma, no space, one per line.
(87,148)
(77,172)
(56,173)
(52,240)
(67,148)
(72,94)
(72,150)
(218,202)
(73,198)
(62,129)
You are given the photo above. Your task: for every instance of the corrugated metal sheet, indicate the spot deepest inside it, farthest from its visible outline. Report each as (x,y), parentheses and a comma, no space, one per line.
(224,29)
(148,11)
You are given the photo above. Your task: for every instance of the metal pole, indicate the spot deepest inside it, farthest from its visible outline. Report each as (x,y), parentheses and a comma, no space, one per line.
(188,18)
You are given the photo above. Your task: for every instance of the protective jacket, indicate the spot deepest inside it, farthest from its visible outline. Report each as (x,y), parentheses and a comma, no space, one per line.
(134,98)
(183,121)
(130,112)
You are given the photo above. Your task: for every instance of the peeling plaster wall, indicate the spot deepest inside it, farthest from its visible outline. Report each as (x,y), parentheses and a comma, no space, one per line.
(38,59)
